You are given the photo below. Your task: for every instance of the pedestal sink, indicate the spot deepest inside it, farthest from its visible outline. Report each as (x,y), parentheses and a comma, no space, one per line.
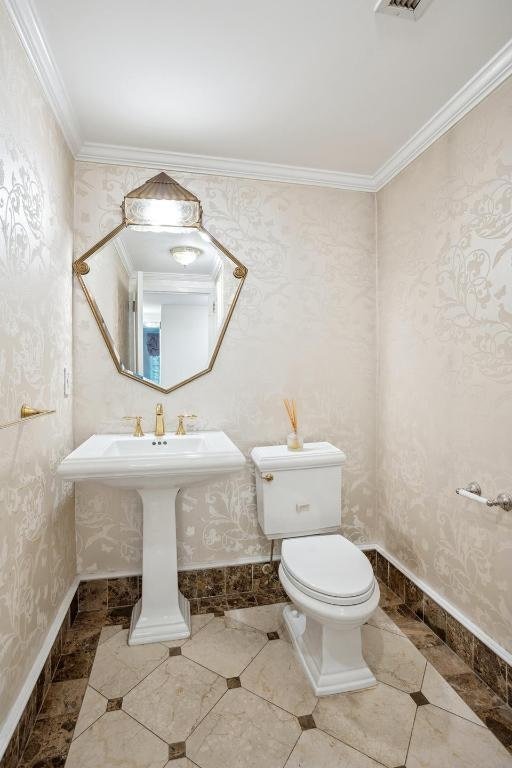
(156,467)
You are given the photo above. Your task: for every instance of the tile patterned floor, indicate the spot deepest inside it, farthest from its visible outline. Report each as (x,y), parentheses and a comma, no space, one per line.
(234,696)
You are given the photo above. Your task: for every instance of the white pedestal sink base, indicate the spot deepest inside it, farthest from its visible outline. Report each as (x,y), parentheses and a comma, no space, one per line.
(162,613)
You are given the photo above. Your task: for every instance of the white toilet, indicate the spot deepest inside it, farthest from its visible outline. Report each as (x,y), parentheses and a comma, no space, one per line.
(328,579)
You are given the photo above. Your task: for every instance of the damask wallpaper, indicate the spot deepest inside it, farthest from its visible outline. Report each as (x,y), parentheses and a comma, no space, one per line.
(37,550)
(304,327)
(445,378)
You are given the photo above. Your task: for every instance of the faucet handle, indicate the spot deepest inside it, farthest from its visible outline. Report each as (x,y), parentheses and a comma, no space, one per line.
(181,418)
(137,430)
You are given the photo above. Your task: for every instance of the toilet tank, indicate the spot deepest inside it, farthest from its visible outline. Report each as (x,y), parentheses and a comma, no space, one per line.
(298,492)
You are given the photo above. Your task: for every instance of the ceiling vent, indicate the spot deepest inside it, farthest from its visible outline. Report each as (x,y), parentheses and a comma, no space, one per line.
(407,9)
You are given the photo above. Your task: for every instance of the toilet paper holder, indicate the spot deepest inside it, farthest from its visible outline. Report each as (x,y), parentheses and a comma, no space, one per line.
(473,491)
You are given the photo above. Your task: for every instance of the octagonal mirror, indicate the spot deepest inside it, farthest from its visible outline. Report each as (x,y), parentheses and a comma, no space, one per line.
(162,297)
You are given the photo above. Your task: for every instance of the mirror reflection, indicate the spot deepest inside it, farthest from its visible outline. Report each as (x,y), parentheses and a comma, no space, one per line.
(163,300)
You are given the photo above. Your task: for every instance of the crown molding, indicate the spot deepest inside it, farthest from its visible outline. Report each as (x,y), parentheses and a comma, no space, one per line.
(27,24)
(222,166)
(28,27)
(486,80)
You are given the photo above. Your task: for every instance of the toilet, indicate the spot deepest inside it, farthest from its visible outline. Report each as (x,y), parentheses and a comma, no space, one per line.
(329,581)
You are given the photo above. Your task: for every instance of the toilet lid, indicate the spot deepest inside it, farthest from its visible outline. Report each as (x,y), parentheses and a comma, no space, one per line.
(328,567)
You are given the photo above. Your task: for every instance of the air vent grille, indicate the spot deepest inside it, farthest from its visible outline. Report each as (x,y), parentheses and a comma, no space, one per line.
(407,9)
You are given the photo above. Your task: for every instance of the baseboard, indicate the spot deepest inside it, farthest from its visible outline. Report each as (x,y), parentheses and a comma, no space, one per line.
(10,723)
(451,609)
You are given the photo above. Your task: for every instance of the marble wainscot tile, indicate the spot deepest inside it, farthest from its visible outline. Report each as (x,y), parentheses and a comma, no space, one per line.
(49,742)
(381,568)
(81,640)
(460,640)
(477,695)
(243,730)
(499,721)
(377,721)
(440,738)
(491,668)
(64,698)
(316,749)
(118,667)
(174,698)
(414,598)
(277,676)
(396,582)
(387,597)
(10,757)
(210,582)
(73,666)
(393,659)
(225,650)
(239,579)
(92,595)
(434,617)
(115,740)
(263,581)
(123,591)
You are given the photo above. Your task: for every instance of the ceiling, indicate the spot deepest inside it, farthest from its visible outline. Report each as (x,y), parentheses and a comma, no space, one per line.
(150,252)
(301,84)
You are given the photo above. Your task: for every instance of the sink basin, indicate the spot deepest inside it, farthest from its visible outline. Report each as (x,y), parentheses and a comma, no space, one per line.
(156,467)
(152,462)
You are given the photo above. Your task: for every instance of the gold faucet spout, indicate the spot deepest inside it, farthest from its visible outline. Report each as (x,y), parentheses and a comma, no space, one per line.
(159,421)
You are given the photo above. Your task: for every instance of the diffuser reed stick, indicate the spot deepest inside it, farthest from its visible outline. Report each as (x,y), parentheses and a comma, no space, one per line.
(294,440)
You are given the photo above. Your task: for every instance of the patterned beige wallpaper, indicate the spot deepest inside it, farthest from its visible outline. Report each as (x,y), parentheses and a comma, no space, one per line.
(304,327)
(445,383)
(37,552)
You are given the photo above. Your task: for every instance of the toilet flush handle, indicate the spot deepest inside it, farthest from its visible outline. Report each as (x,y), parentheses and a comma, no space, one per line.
(268,477)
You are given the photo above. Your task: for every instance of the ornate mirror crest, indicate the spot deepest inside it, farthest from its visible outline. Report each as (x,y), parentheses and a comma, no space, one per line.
(161,288)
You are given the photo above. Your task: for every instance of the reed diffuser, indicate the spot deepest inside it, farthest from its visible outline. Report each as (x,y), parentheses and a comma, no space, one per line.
(294,439)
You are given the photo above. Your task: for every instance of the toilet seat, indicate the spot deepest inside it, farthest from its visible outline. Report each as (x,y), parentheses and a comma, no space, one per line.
(328,568)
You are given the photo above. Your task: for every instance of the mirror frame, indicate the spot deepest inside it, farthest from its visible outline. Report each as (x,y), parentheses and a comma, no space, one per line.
(81,268)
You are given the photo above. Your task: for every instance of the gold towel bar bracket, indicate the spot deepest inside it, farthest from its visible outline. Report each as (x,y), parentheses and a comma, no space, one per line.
(26,414)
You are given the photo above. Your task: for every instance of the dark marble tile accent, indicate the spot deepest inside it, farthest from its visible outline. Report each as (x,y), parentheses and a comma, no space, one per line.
(114,704)
(27,722)
(78,640)
(419,698)
(491,668)
(194,607)
(233,682)
(11,755)
(121,616)
(474,692)
(273,635)
(44,680)
(73,608)
(174,651)
(387,597)
(499,721)
(397,582)
(92,595)
(381,568)
(177,750)
(123,591)
(74,666)
(49,743)
(265,582)
(445,660)
(306,722)
(434,617)
(245,600)
(64,698)
(239,579)
(215,605)
(459,639)
(211,582)
(90,620)
(268,598)
(414,598)
(371,554)
(187,583)
(509,685)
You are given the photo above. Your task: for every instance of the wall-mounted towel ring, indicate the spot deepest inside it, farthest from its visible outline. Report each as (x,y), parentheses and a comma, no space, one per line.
(473,491)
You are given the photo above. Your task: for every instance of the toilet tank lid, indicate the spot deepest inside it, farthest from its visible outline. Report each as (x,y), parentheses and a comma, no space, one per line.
(274,457)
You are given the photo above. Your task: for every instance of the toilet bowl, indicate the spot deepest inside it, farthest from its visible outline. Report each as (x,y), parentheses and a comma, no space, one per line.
(328,579)
(334,592)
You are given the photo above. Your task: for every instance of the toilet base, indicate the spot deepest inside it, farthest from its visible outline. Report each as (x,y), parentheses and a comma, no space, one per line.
(331,658)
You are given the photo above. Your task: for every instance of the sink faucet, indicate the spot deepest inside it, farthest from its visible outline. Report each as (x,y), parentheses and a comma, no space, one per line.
(159,421)
(180,430)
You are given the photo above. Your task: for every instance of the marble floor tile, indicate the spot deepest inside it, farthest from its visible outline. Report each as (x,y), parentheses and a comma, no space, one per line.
(108,632)
(197,622)
(182,762)
(174,698)
(94,706)
(243,731)
(442,739)
(393,659)
(117,740)
(381,620)
(118,666)
(266,618)
(316,749)
(387,597)
(440,693)
(225,650)
(377,721)
(64,698)
(277,676)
